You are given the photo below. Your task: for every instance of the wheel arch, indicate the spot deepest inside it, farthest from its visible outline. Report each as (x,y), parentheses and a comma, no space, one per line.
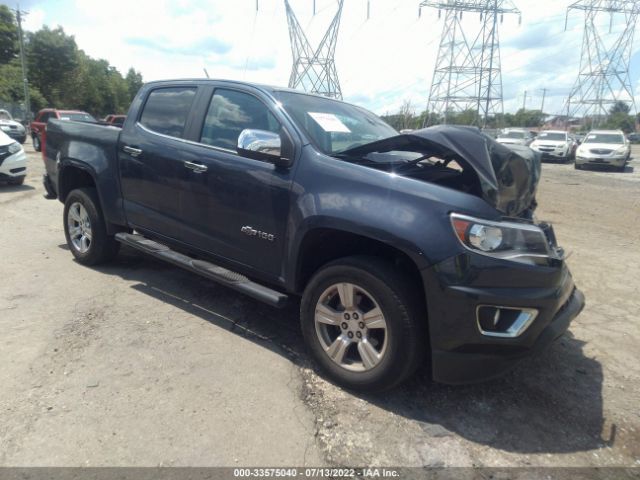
(321,245)
(74,175)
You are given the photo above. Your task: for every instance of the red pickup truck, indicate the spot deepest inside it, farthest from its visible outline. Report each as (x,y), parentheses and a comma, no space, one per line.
(40,122)
(115,120)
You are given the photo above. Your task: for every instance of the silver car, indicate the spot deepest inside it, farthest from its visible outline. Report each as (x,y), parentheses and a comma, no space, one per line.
(608,148)
(515,136)
(12,128)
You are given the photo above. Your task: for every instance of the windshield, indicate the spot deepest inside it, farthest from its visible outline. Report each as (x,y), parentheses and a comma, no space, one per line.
(77,117)
(5,115)
(553,137)
(604,138)
(332,125)
(513,135)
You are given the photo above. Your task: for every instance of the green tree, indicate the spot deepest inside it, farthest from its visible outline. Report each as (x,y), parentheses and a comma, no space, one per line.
(528,118)
(12,89)
(52,55)
(134,82)
(620,121)
(620,107)
(8,35)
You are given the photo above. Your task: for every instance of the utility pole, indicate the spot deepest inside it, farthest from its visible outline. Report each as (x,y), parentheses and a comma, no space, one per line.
(524,102)
(467,75)
(603,79)
(27,102)
(314,70)
(544,94)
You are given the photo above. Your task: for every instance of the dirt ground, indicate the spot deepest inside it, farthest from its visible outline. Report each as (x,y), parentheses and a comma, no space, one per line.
(141,363)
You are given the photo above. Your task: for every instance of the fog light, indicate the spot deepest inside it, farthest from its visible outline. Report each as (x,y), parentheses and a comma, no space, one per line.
(505,322)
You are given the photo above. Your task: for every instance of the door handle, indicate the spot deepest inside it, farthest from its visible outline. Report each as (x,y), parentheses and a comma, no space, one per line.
(134,152)
(196,167)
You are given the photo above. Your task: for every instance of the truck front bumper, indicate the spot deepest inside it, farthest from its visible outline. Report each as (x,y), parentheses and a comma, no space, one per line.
(461,352)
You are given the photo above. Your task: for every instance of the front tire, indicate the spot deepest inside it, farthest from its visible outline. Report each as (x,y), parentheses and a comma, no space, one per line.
(36,143)
(85,230)
(363,321)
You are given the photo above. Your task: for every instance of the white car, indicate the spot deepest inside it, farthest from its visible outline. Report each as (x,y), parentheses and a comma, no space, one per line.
(554,145)
(13,160)
(609,148)
(515,136)
(12,128)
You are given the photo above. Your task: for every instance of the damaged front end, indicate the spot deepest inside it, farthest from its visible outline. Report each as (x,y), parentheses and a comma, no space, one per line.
(462,158)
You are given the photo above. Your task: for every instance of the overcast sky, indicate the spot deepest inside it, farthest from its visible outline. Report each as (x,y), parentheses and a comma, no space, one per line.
(381,62)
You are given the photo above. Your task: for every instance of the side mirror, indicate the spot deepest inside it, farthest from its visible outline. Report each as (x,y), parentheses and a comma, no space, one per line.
(262,145)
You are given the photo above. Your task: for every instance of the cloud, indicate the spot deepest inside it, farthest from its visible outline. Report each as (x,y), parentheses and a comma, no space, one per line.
(381,61)
(204,46)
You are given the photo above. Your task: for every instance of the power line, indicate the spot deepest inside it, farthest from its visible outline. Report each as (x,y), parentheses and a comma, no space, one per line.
(25,80)
(467,75)
(314,70)
(603,79)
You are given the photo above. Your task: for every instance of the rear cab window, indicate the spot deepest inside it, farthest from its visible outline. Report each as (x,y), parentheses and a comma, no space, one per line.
(166,110)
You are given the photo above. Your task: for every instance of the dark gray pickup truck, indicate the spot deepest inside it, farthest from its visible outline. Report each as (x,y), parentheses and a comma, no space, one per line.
(404,249)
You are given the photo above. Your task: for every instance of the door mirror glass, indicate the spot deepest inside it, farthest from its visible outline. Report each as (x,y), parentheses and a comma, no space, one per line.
(260,145)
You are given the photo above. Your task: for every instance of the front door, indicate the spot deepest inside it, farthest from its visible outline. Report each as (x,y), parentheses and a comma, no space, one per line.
(237,207)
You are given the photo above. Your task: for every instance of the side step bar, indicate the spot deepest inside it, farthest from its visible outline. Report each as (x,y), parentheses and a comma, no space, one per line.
(213,272)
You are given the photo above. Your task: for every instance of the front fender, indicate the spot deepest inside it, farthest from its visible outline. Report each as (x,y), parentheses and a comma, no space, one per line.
(409,215)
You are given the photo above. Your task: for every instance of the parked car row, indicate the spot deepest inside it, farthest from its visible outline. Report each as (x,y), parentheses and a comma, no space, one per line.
(598,148)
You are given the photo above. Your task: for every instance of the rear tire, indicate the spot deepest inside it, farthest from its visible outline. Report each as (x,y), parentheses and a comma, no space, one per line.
(378,341)
(36,143)
(85,230)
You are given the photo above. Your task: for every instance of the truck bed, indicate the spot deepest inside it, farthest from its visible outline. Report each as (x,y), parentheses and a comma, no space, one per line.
(74,143)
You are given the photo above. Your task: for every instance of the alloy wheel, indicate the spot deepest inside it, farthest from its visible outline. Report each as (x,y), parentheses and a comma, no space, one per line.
(79,227)
(351,327)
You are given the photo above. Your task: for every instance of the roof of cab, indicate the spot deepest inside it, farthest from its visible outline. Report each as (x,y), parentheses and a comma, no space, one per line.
(259,86)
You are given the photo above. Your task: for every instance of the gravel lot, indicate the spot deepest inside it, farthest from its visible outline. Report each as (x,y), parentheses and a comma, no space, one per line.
(141,363)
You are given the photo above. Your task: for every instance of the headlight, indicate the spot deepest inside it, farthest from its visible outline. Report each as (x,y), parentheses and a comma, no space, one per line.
(14,148)
(621,150)
(519,242)
(5,128)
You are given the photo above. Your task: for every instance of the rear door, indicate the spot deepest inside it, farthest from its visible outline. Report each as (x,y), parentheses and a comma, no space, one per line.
(154,178)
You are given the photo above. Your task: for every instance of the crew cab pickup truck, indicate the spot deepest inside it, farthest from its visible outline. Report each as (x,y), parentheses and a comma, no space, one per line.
(402,248)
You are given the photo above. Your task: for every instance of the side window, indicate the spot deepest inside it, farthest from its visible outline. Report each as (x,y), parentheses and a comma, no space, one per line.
(229,113)
(45,117)
(167,109)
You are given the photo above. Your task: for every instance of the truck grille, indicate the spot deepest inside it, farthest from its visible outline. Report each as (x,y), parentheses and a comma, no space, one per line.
(601,151)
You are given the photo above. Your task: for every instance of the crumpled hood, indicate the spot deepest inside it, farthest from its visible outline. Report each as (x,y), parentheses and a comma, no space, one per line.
(508,176)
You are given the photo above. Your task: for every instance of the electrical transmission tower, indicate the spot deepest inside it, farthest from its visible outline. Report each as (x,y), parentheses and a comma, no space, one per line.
(467,75)
(603,79)
(314,70)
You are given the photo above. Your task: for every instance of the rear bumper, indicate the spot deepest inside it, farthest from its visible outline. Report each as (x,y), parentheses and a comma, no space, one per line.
(460,352)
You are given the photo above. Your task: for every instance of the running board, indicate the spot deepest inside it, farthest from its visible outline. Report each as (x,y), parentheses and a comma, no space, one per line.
(209,270)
